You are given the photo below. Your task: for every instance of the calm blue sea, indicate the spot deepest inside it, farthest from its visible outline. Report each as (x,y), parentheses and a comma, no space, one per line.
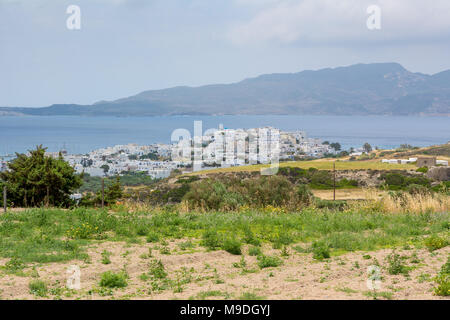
(83,134)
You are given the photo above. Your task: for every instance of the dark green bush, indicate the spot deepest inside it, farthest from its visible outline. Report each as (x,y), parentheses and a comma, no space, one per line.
(232,245)
(339,205)
(268,261)
(320,250)
(110,279)
(232,193)
(211,240)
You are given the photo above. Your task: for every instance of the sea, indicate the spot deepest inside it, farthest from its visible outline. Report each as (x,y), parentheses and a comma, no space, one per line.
(79,135)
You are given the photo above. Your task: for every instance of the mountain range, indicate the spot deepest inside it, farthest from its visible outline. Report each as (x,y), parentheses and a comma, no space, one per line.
(362,89)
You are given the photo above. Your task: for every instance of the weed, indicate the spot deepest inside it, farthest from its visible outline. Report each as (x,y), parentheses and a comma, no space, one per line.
(110,279)
(38,288)
(396,265)
(209,294)
(376,295)
(250,296)
(320,250)
(105,257)
(254,251)
(152,237)
(186,245)
(443,280)
(14,265)
(268,261)
(285,252)
(423,277)
(435,242)
(232,245)
(164,250)
(346,290)
(157,269)
(241,264)
(211,239)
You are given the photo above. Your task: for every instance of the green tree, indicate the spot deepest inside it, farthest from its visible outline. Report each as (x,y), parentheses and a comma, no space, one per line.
(336,146)
(37,179)
(112,193)
(367,147)
(105,168)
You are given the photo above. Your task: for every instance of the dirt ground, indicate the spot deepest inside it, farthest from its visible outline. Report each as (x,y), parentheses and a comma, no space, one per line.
(344,194)
(212,275)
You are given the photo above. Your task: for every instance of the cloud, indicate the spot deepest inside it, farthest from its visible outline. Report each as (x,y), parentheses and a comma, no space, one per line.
(344,21)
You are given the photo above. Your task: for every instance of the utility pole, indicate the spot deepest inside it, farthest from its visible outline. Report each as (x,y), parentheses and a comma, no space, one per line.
(334,181)
(5,205)
(103,192)
(47,204)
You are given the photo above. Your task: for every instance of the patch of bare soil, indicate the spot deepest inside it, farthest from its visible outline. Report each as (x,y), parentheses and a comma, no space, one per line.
(199,274)
(345,194)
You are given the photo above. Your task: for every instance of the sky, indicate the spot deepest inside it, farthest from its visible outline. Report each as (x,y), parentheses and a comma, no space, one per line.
(124,47)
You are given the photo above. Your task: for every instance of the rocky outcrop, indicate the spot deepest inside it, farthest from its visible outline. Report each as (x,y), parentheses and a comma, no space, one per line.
(439,173)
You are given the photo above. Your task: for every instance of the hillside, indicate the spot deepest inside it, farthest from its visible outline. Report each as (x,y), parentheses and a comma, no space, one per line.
(363,89)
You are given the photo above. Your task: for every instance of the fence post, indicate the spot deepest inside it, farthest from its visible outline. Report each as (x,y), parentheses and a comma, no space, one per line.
(103,192)
(334,181)
(5,205)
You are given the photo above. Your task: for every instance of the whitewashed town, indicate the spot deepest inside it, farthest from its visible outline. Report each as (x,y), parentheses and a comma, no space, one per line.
(233,145)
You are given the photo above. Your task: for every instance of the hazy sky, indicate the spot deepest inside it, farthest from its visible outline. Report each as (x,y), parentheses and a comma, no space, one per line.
(128,46)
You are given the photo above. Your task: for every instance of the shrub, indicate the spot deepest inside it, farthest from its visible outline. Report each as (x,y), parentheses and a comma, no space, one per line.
(105,257)
(422,169)
(232,245)
(443,187)
(177,194)
(38,288)
(395,180)
(210,239)
(250,238)
(152,237)
(233,193)
(14,265)
(254,251)
(305,196)
(445,269)
(157,269)
(82,230)
(396,265)
(110,279)
(268,261)
(443,280)
(320,250)
(283,238)
(209,194)
(338,205)
(435,242)
(417,189)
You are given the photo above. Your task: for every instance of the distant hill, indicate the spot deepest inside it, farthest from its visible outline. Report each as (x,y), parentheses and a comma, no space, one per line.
(362,89)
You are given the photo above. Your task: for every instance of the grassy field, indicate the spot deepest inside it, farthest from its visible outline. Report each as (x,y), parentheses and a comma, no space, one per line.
(250,254)
(319,164)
